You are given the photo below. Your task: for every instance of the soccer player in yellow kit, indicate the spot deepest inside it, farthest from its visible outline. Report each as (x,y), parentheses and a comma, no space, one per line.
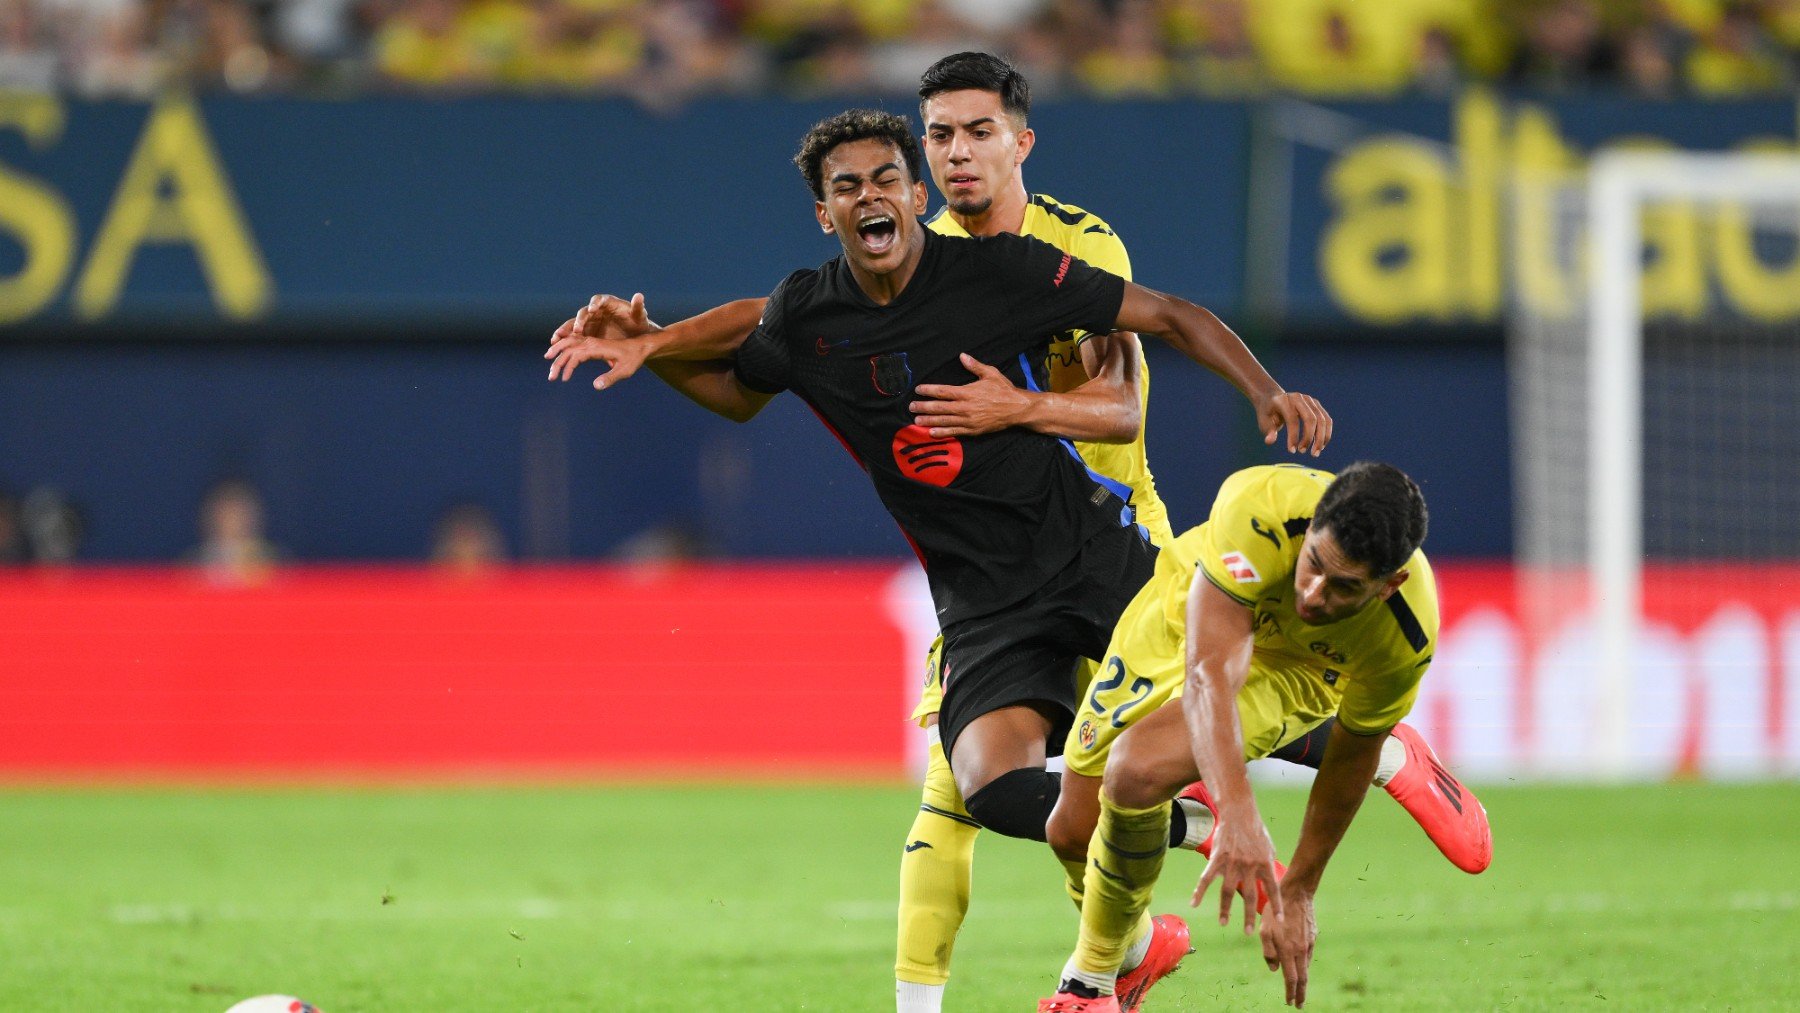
(1302,598)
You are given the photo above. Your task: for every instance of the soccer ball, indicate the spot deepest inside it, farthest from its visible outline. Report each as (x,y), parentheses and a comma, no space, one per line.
(273,1004)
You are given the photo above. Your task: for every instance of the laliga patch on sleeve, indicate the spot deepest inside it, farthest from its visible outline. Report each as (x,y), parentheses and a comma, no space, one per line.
(1240,568)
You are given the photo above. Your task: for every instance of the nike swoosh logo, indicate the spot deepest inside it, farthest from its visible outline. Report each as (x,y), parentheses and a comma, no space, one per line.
(916,845)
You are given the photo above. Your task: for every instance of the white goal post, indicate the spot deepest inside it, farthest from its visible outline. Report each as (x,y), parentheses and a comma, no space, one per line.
(1620,185)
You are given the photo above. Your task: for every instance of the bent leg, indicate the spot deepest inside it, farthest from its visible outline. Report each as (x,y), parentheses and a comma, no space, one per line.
(1149,764)
(998,761)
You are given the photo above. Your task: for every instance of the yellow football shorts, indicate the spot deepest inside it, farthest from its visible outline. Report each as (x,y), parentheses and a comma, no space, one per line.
(1145,668)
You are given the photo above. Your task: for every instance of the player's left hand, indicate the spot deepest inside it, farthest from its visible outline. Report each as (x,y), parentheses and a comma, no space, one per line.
(607,329)
(986,404)
(1307,422)
(1287,942)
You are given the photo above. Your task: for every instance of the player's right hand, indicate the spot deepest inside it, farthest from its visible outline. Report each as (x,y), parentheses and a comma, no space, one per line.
(1243,858)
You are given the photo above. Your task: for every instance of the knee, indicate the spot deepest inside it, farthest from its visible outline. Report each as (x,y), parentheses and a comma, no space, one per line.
(1068,834)
(1136,780)
(1016,804)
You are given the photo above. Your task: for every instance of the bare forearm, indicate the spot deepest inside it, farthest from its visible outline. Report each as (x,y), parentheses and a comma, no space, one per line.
(1204,338)
(1201,336)
(715,334)
(1091,415)
(709,384)
(1337,793)
(1209,704)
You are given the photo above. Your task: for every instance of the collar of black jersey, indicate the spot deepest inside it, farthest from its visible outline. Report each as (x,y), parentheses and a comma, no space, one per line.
(927,262)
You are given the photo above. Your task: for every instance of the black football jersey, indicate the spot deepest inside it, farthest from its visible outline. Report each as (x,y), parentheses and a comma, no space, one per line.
(992,517)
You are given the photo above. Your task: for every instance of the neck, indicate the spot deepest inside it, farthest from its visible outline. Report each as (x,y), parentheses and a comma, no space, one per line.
(1005,215)
(885,288)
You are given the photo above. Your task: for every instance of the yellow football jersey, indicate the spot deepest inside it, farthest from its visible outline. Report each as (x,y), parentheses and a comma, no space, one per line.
(1085,235)
(1248,548)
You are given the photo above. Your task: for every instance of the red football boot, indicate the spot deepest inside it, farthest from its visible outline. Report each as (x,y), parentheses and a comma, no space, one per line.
(1067,1002)
(1198,793)
(1449,812)
(1168,944)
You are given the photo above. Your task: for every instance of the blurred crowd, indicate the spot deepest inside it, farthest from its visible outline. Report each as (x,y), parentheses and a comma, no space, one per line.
(666,51)
(45,528)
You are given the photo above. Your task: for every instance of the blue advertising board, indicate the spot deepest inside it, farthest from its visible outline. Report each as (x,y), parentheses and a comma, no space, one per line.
(404,214)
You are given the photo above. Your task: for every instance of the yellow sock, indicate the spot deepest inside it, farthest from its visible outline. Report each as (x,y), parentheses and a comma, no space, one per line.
(934,878)
(1124,860)
(1074,876)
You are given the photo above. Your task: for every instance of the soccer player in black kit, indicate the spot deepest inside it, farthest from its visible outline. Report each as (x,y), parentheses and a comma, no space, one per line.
(1029,557)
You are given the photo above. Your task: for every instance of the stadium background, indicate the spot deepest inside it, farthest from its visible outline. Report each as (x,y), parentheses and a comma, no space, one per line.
(302,258)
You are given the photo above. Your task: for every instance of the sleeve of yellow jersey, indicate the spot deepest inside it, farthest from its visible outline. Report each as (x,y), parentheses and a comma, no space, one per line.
(1097,245)
(1377,703)
(1234,553)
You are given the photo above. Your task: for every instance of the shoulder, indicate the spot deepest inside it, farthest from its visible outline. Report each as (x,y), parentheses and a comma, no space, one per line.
(792,296)
(1078,231)
(941,223)
(1288,492)
(1415,607)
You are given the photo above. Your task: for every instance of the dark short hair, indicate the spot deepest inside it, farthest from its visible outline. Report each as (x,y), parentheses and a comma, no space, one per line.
(1377,515)
(855,125)
(979,72)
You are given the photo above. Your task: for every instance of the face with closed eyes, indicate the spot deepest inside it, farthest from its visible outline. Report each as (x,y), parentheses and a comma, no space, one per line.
(872,204)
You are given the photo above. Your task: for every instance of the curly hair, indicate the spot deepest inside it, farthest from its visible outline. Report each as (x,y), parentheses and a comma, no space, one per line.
(1376,513)
(979,72)
(855,125)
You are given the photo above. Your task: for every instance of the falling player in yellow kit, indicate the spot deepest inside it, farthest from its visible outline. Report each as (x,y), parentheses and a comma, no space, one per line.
(1302,598)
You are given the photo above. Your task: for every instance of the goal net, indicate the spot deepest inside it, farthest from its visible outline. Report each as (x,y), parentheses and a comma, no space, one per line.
(1654,351)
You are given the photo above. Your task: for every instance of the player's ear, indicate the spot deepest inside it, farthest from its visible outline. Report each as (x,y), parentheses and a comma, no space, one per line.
(1393,583)
(1027,140)
(824,218)
(921,198)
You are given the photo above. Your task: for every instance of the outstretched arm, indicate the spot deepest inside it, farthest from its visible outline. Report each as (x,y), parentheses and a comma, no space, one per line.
(697,363)
(712,384)
(622,335)
(1203,337)
(1220,636)
(1105,409)
(1337,792)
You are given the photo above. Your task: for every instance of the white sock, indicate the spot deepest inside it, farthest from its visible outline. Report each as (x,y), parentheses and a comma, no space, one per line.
(1105,984)
(913,997)
(1136,952)
(1393,757)
(1199,821)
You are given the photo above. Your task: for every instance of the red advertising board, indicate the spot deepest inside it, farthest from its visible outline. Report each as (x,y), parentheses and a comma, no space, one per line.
(714,670)
(723,670)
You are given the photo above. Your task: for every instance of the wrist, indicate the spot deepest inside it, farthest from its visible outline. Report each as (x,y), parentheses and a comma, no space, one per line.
(1302,878)
(657,340)
(1027,413)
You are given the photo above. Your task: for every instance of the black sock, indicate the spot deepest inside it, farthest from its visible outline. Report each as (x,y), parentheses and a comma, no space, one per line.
(1308,750)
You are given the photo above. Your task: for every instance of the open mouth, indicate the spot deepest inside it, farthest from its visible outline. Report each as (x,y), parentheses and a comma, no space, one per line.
(877,233)
(961,181)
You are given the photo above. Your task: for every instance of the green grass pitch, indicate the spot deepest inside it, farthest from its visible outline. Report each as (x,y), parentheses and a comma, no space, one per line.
(734,897)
